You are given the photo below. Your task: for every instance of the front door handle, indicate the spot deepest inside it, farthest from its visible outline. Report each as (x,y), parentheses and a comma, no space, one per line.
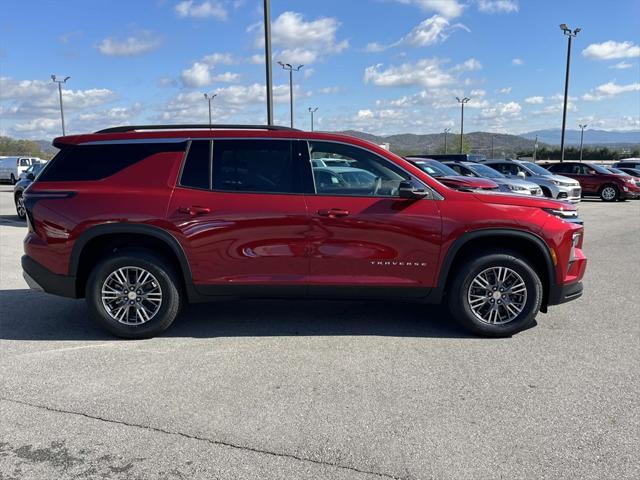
(194,210)
(333,212)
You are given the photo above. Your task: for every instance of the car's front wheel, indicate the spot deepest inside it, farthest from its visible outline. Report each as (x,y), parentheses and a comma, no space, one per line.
(495,294)
(12,179)
(133,294)
(20,210)
(609,193)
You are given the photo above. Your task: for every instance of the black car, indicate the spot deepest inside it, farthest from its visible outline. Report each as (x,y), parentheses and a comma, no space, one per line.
(22,184)
(634,172)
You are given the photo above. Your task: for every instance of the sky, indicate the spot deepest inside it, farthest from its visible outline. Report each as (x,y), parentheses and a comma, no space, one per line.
(380,66)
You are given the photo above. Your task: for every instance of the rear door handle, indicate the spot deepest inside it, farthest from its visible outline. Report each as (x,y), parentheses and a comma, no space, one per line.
(333,212)
(194,210)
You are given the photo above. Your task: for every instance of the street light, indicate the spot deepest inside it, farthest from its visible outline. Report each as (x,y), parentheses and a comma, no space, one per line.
(462,101)
(492,135)
(446,131)
(60,82)
(582,127)
(209,98)
(290,68)
(570,34)
(267,60)
(312,111)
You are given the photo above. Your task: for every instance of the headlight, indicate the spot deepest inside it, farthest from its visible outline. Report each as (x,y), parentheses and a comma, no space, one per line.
(518,188)
(556,182)
(568,215)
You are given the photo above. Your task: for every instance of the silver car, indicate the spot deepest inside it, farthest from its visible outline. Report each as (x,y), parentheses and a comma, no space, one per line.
(553,186)
(506,184)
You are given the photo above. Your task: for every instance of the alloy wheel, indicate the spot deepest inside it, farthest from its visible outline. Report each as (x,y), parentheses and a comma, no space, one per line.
(22,212)
(131,295)
(497,295)
(608,193)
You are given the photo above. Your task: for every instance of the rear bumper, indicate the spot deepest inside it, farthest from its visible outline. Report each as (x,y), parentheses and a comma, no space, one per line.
(42,279)
(564,293)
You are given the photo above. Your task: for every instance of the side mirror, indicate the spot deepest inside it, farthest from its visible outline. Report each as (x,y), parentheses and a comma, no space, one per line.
(407,190)
(521,174)
(31,176)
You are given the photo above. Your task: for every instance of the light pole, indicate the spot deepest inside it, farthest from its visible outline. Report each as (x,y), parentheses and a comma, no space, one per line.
(312,111)
(570,34)
(209,98)
(462,101)
(446,131)
(60,82)
(290,68)
(535,150)
(582,127)
(492,145)
(267,60)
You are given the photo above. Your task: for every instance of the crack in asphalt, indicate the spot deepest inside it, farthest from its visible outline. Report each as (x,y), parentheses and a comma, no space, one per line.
(202,439)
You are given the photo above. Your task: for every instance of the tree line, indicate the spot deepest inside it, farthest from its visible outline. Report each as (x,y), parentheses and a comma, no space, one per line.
(12,146)
(590,153)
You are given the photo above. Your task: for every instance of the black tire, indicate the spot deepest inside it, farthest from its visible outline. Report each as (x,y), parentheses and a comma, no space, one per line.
(12,179)
(20,211)
(609,193)
(166,278)
(546,192)
(461,281)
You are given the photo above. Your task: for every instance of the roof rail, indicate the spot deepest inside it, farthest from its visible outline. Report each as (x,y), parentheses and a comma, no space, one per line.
(194,126)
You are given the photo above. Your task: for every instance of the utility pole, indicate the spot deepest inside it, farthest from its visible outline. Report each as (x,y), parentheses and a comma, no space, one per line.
(209,98)
(60,82)
(582,127)
(535,150)
(290,68)
(446,131)
(312,111)
(267,60)
(462,101)
(570,34)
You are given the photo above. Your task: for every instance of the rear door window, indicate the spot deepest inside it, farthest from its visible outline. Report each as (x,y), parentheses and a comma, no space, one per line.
(255,166)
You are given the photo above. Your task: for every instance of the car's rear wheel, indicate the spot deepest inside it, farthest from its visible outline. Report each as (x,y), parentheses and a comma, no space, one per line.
(609,193)
(495,294)
(20,210)
(133,294)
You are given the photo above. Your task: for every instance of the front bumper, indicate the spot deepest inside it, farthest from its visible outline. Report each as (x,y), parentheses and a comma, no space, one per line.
(42,279)
(569,194)
(564,293)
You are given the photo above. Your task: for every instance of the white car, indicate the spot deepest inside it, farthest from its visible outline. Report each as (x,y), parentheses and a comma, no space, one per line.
(12,167)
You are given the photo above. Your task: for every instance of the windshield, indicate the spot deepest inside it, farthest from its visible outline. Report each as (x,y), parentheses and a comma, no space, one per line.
(599,168)
(537,169)
(485,171)
(436,169)
(616,171)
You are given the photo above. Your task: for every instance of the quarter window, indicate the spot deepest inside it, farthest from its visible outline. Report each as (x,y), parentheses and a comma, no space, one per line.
(340,169)
(196,171)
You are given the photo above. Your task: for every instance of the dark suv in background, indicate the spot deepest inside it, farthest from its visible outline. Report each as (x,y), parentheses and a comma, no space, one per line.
(140,220)
(597,181)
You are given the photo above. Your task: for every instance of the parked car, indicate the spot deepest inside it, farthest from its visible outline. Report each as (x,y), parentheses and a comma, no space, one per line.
(628,163)
(26,178)
(510,185)
(553,186)
(618,171)
(450,177)
(634,172)
(597,181)
(343,177)
(141,219)
(12,167)
(454,157)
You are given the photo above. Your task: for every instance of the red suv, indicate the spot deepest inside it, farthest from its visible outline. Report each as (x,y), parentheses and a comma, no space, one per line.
(597,181)
(139,220)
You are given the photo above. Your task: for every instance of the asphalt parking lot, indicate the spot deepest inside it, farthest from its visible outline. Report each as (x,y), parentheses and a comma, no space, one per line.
(301,389)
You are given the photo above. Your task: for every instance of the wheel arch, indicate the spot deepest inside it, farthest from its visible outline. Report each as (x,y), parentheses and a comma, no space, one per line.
(102,239)
(533,248)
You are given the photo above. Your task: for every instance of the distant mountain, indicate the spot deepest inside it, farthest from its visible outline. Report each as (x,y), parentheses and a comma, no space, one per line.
(591,137)
(479,142)
(46,147)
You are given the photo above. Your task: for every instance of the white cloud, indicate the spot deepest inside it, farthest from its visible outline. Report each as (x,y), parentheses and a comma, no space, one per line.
(37,124)
(301,41)
(497,6)
(206,9)
(446,8)
(517,61)
(198,75)
(375,47)
(130,46)
(329,90)
(622,65)
(505,90)
(13,89)
(611,50)
(502,110)
(215,58)
(226,77)
(427,72)
(431,31)
(167,82)
(536,100)
(610,89)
